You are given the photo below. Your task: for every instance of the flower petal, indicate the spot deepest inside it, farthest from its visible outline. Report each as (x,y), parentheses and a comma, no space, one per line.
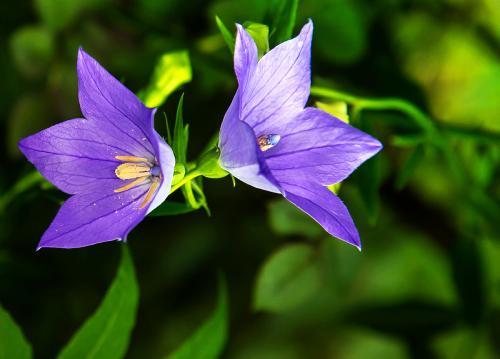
(95,217)
(239,151)
(278,89)
(166,160)
(103,98)
(245,56)
(319,148)
(76,155)
(325,208)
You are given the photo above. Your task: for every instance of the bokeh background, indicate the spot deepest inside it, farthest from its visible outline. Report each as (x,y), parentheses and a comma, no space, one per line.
(427,283)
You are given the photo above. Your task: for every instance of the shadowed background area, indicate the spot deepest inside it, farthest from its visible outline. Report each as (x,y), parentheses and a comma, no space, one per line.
(427,283)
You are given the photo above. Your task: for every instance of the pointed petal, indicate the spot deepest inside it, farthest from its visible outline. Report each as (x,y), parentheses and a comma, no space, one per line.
(245,56)
(319,148)
(278,89)
(239,151)
(95,217)
(104,98)
(325,208)
(76,155)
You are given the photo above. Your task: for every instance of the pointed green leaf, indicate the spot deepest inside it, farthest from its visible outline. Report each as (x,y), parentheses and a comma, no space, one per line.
(208,341)
(172,70)
(13,344)
(226,34)
(181,133)
(281,15)
(107,332)
(259,34)
(289,278)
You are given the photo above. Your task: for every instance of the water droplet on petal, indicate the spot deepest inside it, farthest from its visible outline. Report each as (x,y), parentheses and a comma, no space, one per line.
(267,142)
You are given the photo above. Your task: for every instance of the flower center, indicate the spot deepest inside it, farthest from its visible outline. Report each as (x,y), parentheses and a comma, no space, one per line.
(267,142)
(141,170)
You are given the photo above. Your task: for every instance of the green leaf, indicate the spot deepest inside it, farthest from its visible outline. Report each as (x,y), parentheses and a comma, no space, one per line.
(226,34)
(208,165)
(289,278)
(172,70)
(208,341)
(281,15)
(32,48)
(260,34)
(170,208)
(107,332)
(181,135)
(409,167)
(286,219)
(13,344)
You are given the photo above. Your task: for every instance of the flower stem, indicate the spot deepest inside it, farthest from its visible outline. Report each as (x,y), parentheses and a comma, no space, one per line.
(394,104)
(187,178)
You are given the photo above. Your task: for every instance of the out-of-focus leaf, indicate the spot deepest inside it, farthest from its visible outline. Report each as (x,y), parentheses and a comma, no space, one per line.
(409,166)
(409,269)
(337,109)
(32,48)
(468,275)
(260,34)
(456,96)
(226,34)
(287,279)
(286,219)
(281,16)
(208,165)
(107,332)
(463,343)
(181,135)
(29,115)
(363,344)
(208,341)
(170,208)
(13,344)
(58,14)
(172,70)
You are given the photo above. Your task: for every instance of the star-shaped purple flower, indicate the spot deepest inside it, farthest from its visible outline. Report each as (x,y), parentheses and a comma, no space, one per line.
(113,163)
(271,141)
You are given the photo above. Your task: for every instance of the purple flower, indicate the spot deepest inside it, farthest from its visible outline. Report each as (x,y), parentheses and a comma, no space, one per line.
(271,141)
(113,163)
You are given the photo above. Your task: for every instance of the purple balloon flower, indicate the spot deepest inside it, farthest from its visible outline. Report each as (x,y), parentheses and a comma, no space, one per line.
(113,163)
(271,141)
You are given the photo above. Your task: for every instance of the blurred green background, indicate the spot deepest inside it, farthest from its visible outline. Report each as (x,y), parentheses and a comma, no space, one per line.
(427,283)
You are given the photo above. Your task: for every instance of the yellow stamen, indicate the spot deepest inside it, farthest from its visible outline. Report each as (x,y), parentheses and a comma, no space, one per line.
(132,170)
(150,193)
(131,159)
(132,184)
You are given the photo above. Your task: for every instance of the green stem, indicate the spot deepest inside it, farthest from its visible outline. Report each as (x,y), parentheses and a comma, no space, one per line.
(390,104)
(188,178)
